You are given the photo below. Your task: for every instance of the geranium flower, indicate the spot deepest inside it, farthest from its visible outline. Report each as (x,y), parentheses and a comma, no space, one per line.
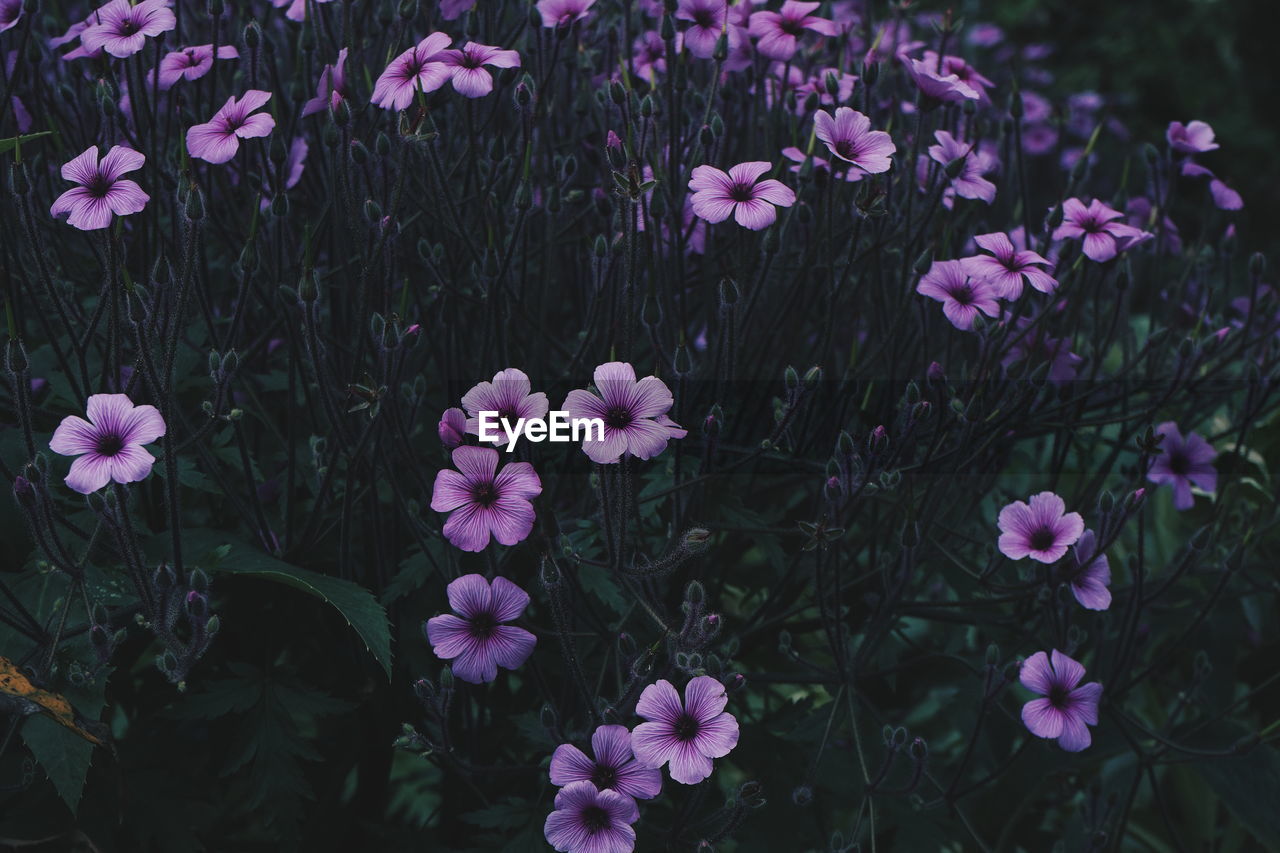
(1042,531)
(1183,462)
(475,639)
(613,768)
(717,196)
(795,155)
(961,294)
(469,76)
(509,394)
(450,10)
(964,73)
(708,20)
(1067,707)
(779,32)
(969,183)
(122,29)
(937,83)
(297,10)
(191,63)
(685,736)
(332,88)
(1098,227)
(109,446)
(420,68)
(102,192)
(452,428)
(848,135)
(483,502)
(562,13)
(218,140)
(1006,266)
(1091,576)
(649,55)
(1037,346)
(634,414)
(1195,137)
(587,820)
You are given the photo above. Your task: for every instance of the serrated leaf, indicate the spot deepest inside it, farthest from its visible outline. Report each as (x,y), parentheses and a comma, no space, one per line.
(62,754)
(356,604)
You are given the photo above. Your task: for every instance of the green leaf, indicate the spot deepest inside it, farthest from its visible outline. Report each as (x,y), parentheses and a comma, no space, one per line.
(508,814)
(356,604)
(1249,784)
(63,754)
(7,145)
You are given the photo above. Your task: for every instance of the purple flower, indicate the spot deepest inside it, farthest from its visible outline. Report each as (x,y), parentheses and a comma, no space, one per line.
(1006,266)
(562,13)
(475,639)
(108,446)
(1100,228)
(649,55)
(102,192)
(795,155)
(634,414)
(469,76)
(1182,462)
(685,736)
(509,394)
(1224,198)
(717,196)
(1068,707)
(10,12)
(453,428)
(451,9)
(614,767)
(969,183)
(961,294)
(936,82)
(218,140)
(964,72)
(779,32)
(1195,137)
(295,163)
(481,503)
(707,20)
(1041,531)
(297,10)
(420,68)
(332,88)
(586,820)
(1092,574)
(122,30)
(191,63)
(849,136)
(1036,346)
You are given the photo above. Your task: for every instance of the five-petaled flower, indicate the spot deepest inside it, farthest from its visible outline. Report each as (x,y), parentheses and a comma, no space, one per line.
(191,63)
(482,501)
(1006,267)
(740,194)
(707,20)
(421,68)
(685,736)
(587,820)
(218,139)
(1183,462)
(962,295)
(108,446)
(122,29)
(849,136)
(937,83)
(510,395)
(614,766)
(469,76)
(1101,228)
(634,414)
(475,639)
(779,32)
(1066,707)
(102,192)
(969,181)
(1042,531)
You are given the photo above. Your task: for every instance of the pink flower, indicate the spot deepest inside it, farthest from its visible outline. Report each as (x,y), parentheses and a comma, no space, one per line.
(452,428)
(1098,226)
(1183,462)
(218,140)
(469,75)
(1092,574)
(962,296)
(109,446)
(1192,138)
(969,183)
(779,32)
(964,73)
(937,82)
(332,88)
(420,68)
(1007,267)
(686,735)
(483,502)
(717,196)
(634,414)
(297,10)
(849,136)
(102,192)
(708,19)
(450,10)
(122,30)
(795,155)
(191,63)
(475,639)
(510,394)
(562,13)
(1067,707)
(1042,531)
